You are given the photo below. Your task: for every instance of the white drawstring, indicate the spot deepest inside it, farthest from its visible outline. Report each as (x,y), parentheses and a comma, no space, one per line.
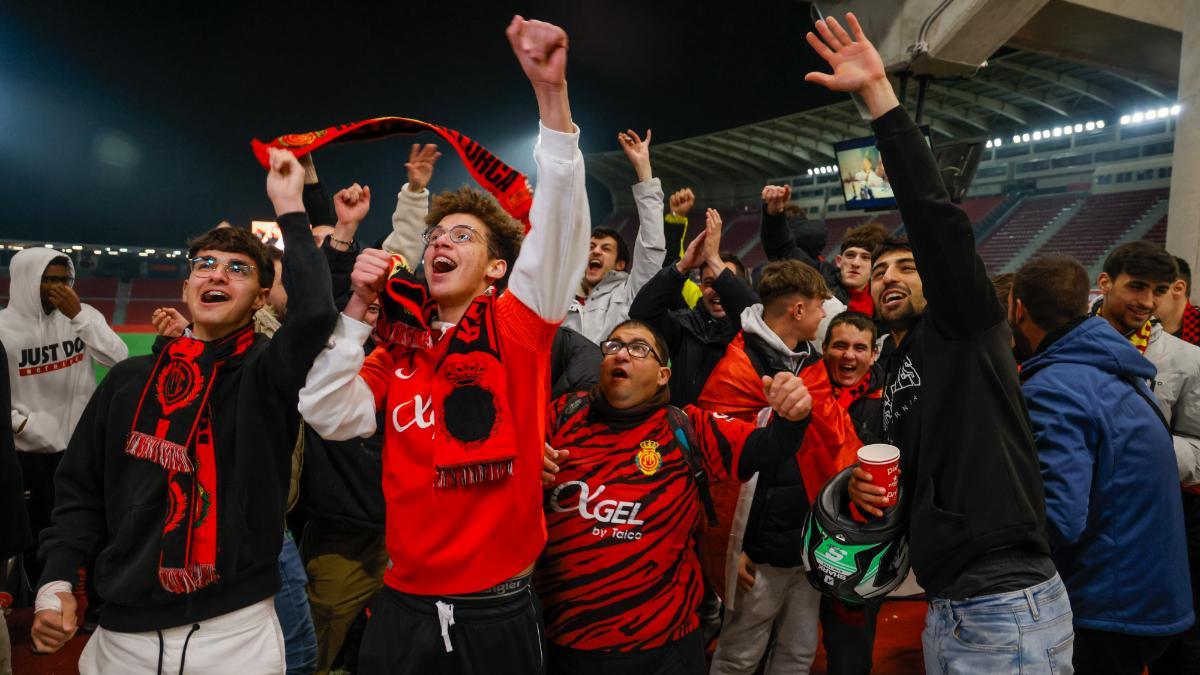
(445,619)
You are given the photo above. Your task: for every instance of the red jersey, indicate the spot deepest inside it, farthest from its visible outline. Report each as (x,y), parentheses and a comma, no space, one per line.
(860,301)
(457,540)
(620,572)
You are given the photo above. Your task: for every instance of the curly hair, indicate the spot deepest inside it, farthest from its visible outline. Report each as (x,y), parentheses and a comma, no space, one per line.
(505,233)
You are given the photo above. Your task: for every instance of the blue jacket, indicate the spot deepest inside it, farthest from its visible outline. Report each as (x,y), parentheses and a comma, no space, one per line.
(1113,502)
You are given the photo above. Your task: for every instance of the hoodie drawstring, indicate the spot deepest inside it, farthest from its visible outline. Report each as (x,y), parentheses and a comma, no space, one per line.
(186,640)
(445,620)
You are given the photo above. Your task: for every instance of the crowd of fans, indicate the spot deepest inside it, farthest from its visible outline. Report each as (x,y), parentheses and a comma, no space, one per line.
(530,449)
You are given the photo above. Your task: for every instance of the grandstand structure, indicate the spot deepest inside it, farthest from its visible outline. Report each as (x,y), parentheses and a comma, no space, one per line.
(1077,159)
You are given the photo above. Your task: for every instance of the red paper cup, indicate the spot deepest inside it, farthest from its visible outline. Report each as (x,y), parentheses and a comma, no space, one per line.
(882,461)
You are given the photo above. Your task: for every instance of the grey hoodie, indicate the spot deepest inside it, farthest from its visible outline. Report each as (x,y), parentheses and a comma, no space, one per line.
(50,357)
(1177,388)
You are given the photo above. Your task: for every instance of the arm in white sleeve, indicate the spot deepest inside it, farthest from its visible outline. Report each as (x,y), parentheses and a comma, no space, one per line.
(408,224)
(335,401)
(1185,430)
(105,346)
(547,272)
(650,249)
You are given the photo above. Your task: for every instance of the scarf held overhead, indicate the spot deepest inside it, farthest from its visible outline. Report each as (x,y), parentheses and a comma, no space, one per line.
(509,186)
(173,428)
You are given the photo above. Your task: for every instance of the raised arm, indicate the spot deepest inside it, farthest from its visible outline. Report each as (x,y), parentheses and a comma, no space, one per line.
(735,293)
(961,298)
(553,255)
(317,203)
(311,314)
(650,248)
(675,224)
(340,248)
(412,203)
(88,323)
(777,239)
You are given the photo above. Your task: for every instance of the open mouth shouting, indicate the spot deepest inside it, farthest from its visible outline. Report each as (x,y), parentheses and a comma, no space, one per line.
(214,296)
(595,265)
(892,299)
(619,373)
(442,265)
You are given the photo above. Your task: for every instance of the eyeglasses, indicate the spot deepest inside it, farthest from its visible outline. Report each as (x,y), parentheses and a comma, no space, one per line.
(459,234)
(637,349)
(204,266)
(52,279)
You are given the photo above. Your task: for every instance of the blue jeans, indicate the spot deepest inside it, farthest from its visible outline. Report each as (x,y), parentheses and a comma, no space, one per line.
(291,604)
(1027,631)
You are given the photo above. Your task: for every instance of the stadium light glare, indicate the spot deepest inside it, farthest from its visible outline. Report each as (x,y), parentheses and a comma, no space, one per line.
(1126,119)
(1057,132)
(1163,112)
(77,247)
(47,245)
(1090,126)
(1151,114)
(178,252)
(1175,109)
(149,251)
(997,142)
(1078,128)
(1099,124)
(112,253)
(1016,138)
(1025,137)
(1037,135)
(1138,117)
(96,251)
(1067,130)
(988,145)
(123,250)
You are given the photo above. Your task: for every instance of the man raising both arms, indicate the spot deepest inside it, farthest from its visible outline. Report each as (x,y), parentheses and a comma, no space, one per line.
(953,405)
(466,405)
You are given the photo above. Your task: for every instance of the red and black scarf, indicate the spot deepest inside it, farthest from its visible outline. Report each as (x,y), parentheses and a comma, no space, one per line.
(509,186)
(1189,325)
(846,396)
(474,428)
(173,428)
(1139,338)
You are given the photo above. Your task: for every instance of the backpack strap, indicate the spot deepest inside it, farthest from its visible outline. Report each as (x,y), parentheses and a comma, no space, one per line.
(579,402)
(685,437)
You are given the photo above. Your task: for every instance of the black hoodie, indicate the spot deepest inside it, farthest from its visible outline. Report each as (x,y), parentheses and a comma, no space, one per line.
(14,519)
(695,338)
(952,402)
(110,507)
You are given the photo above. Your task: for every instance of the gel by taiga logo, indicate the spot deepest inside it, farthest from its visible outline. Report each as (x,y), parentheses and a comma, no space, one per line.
(604,511)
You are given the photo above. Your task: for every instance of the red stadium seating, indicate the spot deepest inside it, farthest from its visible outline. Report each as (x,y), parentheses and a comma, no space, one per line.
(96,287)
(139,311)
(156,288)
(1102,223)
(1158,233)
(1031,217)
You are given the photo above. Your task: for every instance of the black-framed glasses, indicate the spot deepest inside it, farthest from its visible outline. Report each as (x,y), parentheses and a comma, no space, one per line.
(204,265)
(459,234)
(55,279)
(637,349)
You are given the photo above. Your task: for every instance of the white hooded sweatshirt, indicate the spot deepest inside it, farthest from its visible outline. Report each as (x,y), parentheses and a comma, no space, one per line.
(50,357)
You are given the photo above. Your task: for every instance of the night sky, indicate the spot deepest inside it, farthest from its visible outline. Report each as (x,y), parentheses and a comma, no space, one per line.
(126,123)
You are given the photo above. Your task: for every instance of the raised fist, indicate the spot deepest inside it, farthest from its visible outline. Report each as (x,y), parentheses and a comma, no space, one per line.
(285,182)
(370,272)
(541,49)
(681,200)
(776,198)
(352,204)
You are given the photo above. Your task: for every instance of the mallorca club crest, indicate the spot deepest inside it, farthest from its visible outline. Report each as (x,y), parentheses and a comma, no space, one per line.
(648,459)
(180,381)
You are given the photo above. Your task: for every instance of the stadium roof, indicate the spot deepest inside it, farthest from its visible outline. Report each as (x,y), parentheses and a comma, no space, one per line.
(1017,91)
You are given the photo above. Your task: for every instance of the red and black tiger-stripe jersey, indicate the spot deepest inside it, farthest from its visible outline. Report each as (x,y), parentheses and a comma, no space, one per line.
(619,571)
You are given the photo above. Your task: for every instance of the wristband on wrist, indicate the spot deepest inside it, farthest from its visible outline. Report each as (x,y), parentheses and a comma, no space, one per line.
(348,244)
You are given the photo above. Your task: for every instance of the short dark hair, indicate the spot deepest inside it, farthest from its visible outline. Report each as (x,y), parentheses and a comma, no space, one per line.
(1143,260)
(1003,284)
(1053,288)
(1185,273)
(660,344)
(275,254)
(622,247)
(856,319)
(235,240)
(60,260)
(895,242)
(790,277)
(505,233)
(739,268)
(867,237)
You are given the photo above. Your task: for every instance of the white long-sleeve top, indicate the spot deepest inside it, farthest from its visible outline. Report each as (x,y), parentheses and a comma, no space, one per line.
(339,405)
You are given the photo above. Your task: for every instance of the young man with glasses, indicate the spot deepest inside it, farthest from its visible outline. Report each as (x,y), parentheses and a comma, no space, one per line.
(174,484)
(620,578)
(53,342)
(465,396)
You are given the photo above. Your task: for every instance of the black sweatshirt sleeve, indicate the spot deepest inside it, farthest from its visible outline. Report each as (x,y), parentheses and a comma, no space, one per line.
(14,520)
(654,302)
(675,229)
(311,315)
(736,295)
(318,205)
(777,239)
(770,445)
(78,525)
(341,264)
(962,301)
